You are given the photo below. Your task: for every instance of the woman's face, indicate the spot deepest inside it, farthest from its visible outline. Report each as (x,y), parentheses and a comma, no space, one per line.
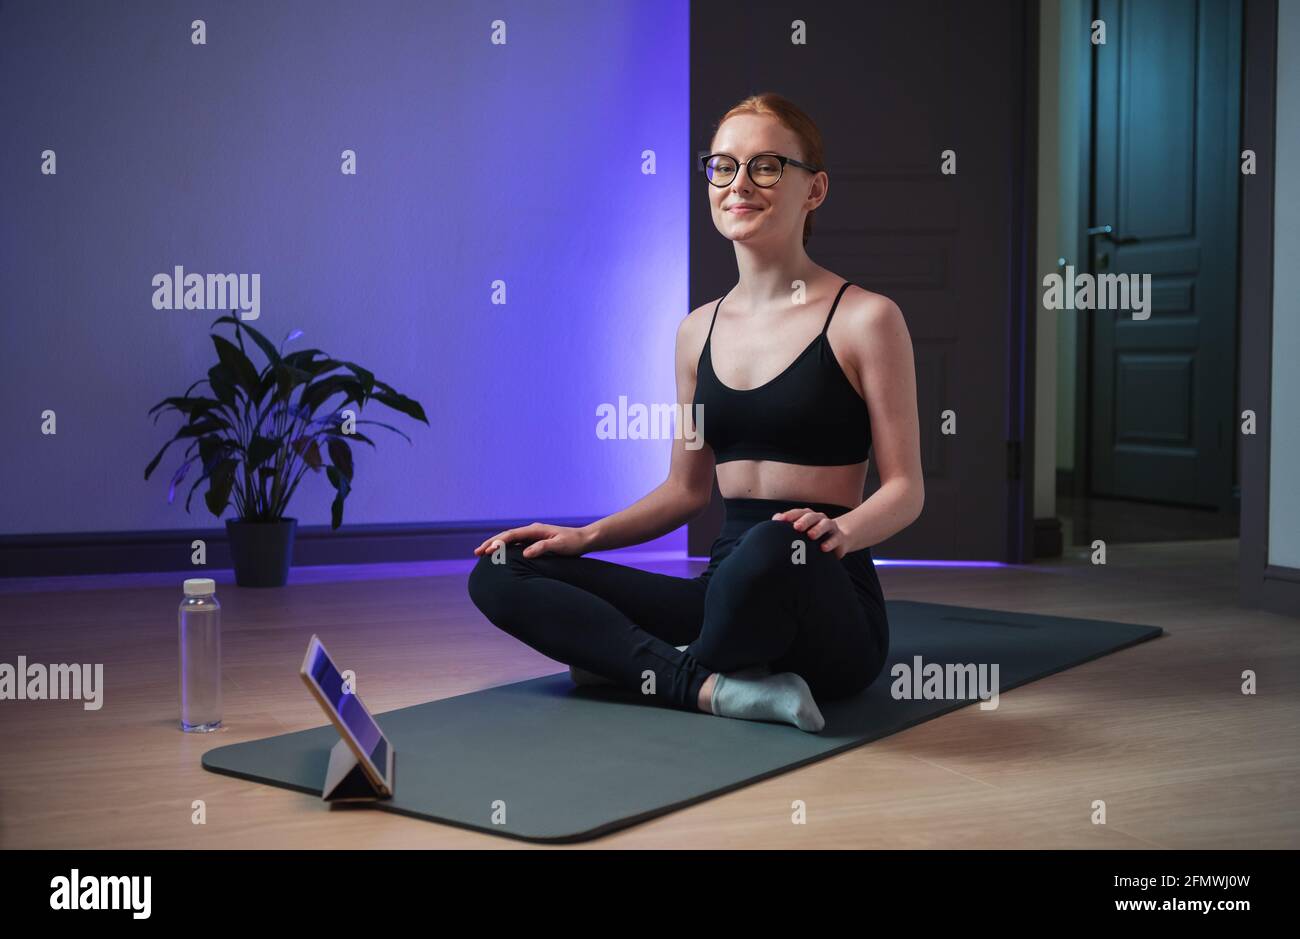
(743,211)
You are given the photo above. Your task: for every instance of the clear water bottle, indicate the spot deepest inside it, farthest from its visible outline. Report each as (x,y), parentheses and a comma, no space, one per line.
(200,644)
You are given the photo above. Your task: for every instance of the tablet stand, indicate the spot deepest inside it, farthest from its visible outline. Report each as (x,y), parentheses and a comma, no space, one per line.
(345,780)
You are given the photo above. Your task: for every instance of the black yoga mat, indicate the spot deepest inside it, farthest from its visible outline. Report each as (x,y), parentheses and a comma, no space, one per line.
(569,763)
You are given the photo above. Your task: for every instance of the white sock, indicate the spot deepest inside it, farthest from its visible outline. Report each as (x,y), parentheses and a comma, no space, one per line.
(784,697)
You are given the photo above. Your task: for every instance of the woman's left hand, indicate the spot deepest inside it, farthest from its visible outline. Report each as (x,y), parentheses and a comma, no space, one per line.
(815,525)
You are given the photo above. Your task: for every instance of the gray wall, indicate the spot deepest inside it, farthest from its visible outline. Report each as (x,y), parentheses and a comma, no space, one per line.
(1284,449)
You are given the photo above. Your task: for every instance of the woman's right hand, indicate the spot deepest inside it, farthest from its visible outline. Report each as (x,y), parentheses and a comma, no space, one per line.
(547,539)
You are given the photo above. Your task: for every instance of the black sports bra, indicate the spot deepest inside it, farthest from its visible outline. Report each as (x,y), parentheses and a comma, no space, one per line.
(810,414)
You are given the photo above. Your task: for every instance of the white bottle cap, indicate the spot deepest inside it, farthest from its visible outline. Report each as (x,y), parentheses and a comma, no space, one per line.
(200,586)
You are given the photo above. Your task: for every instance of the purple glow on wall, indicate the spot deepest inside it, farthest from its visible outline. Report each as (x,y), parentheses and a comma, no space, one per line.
(476,163)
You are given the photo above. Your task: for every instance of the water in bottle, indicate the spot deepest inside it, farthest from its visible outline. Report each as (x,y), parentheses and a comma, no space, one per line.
(200,646)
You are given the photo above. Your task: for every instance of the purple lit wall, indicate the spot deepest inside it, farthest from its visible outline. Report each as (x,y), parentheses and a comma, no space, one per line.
(476,162)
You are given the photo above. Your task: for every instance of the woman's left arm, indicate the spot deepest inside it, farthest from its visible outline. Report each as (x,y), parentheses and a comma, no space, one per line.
(887,374)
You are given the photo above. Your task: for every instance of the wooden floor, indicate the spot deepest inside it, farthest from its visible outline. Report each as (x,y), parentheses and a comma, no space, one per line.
(1160,732)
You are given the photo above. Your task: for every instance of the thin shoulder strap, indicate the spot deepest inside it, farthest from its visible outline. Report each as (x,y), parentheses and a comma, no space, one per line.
(833,306)
(714,320)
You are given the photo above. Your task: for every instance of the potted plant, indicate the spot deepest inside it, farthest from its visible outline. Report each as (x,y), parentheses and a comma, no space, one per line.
(257,434)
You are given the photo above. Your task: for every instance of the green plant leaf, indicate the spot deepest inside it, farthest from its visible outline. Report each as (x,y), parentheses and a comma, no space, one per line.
(211,448)
(211,451)
(399,402)
(355,435)
(268,348)
(185,405)
(388,426)
(342,487)
(190,496)
(177,478)
(194,429)
(306,360)
(340,455)
(262,449)
(309,450)
(238,365)
(288,378)
(153,464)
(223,384)
(317,393)
(218,495)
(365,376)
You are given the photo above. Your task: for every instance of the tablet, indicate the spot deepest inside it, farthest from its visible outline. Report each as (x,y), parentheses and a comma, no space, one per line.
(349,716)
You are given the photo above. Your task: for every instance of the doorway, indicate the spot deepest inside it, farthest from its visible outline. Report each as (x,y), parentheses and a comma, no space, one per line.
(1149,173)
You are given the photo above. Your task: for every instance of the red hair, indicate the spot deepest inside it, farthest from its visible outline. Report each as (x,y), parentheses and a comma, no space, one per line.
(793,118)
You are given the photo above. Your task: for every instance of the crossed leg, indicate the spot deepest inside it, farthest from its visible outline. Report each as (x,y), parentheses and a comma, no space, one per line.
(607,618)
(778,600)
(768,603)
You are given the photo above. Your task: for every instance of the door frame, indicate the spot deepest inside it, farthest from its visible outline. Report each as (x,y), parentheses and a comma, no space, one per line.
(1022,325)
(1270,587)
(1081,475)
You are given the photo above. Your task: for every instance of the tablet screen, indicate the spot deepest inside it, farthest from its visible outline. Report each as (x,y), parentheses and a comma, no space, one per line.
(349,708)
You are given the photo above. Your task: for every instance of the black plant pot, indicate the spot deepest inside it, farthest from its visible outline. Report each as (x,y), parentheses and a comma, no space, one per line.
(262,551)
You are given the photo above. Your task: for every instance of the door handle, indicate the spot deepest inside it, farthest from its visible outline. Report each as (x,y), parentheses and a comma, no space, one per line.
(1108,231)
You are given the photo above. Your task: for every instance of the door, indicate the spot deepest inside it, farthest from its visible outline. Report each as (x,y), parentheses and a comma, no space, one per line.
(1166,173)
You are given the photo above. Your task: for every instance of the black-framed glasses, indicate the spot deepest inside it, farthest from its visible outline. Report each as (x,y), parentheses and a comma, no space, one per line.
(764,169)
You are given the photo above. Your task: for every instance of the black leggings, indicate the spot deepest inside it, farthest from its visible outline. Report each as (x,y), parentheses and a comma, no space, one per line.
(823,619)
